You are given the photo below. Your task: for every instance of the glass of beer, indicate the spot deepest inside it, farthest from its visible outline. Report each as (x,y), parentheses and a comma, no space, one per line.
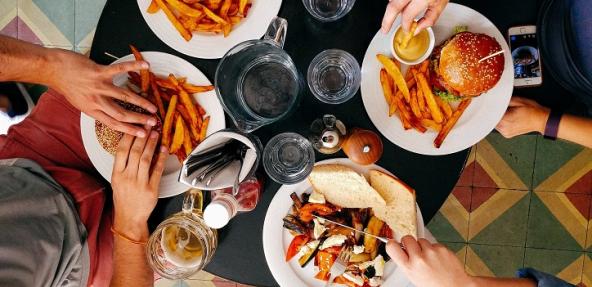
(183,244)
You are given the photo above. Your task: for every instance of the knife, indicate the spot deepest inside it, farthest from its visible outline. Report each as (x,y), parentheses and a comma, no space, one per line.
(383,239)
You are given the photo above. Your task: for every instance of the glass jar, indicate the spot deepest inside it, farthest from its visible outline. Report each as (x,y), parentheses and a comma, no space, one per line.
(183,244)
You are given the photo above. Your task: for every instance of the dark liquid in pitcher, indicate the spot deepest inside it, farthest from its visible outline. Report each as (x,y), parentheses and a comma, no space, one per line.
(269,89)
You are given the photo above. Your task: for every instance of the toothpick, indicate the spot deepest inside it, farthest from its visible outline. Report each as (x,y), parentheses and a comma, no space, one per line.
(491,56)
(111,55)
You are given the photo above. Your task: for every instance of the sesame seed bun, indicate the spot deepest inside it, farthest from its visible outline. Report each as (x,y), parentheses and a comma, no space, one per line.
(459,69)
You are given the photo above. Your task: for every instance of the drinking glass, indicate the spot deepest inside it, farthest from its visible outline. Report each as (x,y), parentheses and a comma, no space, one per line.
(288,158)
(183,244)
(257,82)
(328,10)
(334,76)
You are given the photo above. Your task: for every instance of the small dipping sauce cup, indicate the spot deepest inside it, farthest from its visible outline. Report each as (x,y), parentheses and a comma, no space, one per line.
(420,47)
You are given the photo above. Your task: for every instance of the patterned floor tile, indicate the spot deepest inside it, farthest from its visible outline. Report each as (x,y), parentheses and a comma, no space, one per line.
(587,273)
(451,223)
(562,166)
(558,220)
(567,265)
(460,249)
(87,17)
(8,21)
(498,217)
(466,178)
(491,260)
(505,163)
(46,22)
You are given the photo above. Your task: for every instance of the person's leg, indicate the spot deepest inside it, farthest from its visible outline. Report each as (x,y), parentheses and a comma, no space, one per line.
(51,137)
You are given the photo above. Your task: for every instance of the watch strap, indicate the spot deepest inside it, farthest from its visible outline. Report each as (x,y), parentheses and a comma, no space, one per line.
(552,126)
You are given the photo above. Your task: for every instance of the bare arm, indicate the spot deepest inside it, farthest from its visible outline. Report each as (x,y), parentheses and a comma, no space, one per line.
(525,116)
(503,282)
(85,84)
(135,182)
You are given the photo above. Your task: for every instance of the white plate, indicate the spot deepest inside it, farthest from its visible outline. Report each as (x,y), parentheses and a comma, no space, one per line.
(276,238)
(212,46)
(161,64)
(478,120)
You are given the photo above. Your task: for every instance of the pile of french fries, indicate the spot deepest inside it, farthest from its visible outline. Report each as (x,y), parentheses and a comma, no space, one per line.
(411,98)
(185,122)
(210,16)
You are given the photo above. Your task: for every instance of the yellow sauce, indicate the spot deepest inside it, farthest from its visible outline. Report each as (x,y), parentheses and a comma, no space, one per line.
(417,46)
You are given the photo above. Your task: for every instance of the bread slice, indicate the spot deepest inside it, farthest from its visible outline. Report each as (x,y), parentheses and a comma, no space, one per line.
(400,210)
(344,187)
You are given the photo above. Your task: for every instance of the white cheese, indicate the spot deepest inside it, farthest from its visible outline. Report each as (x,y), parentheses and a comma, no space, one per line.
(334,240)
(307,248)
(375,281)
(358,280)
(379,266)
(316,197)
(358,249)
(318,229)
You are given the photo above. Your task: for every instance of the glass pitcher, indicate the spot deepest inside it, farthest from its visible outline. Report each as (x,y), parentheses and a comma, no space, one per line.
(257,82)
(183,244)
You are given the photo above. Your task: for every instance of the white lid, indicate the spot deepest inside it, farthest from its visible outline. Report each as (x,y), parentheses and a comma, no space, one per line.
(216,215)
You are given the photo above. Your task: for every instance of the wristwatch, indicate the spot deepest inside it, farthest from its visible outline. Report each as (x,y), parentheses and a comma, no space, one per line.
(552,126)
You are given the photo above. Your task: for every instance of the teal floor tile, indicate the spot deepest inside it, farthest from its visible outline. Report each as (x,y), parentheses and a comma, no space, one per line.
(551,156)
(87,17)
(567,265)
(47,22)
(491,260)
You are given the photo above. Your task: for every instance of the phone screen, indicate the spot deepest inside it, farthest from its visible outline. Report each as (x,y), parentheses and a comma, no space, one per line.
(525,52)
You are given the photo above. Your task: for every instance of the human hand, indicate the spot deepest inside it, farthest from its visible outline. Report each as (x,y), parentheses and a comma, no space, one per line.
(523,116)
(409,10)
(88,86)
(135,181)
(427,264)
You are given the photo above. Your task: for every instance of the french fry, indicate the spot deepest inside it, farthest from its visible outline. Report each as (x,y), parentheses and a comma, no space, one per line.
(420,100)
(193,128)
(408,36)
(387,89)
(184,8)
(168,121)
(200,109)
(404,114)
(178,135)
(209,27)
(187,146)
(224,8)
(157,97)
(173,80)
(153,8)
(213,16)
(165,84)
(204,129)
(242,4)
(144,73)
(414,105)
(181,156)
(445,107)
(188,103)
(429,98)
(431,124)
(423,68)
(171,16)
(135,78)
(193,89)
(451,122)
(395,73)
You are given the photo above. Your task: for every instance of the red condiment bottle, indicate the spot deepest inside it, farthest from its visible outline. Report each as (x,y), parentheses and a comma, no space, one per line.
(224,205)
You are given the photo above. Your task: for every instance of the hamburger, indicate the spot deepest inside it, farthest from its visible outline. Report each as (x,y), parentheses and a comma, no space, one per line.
(456,71)
(109,138)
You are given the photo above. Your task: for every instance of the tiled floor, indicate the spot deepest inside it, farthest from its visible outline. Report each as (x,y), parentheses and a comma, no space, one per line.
(520,202)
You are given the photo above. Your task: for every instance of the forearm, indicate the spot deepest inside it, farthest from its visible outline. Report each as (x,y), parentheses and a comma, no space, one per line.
(25,62)
(130,266)
(503,282)
(576,129)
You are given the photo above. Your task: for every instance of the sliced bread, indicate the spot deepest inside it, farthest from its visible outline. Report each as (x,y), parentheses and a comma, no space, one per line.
(400,210)
(344,187)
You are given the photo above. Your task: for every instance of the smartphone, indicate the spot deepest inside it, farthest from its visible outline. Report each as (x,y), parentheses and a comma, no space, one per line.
(526,56)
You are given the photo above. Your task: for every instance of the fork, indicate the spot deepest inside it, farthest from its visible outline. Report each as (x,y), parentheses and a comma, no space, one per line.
(339,265)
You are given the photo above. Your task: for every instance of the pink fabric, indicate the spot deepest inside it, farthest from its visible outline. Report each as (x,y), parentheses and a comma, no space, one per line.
(50,136)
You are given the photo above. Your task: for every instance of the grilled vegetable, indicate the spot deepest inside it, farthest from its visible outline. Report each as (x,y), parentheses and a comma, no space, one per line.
(358,258)
(357,223)
(312,247)
(297,202)
(292,223)
(306,212)
(374,227)
(295,246)
(325,261)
